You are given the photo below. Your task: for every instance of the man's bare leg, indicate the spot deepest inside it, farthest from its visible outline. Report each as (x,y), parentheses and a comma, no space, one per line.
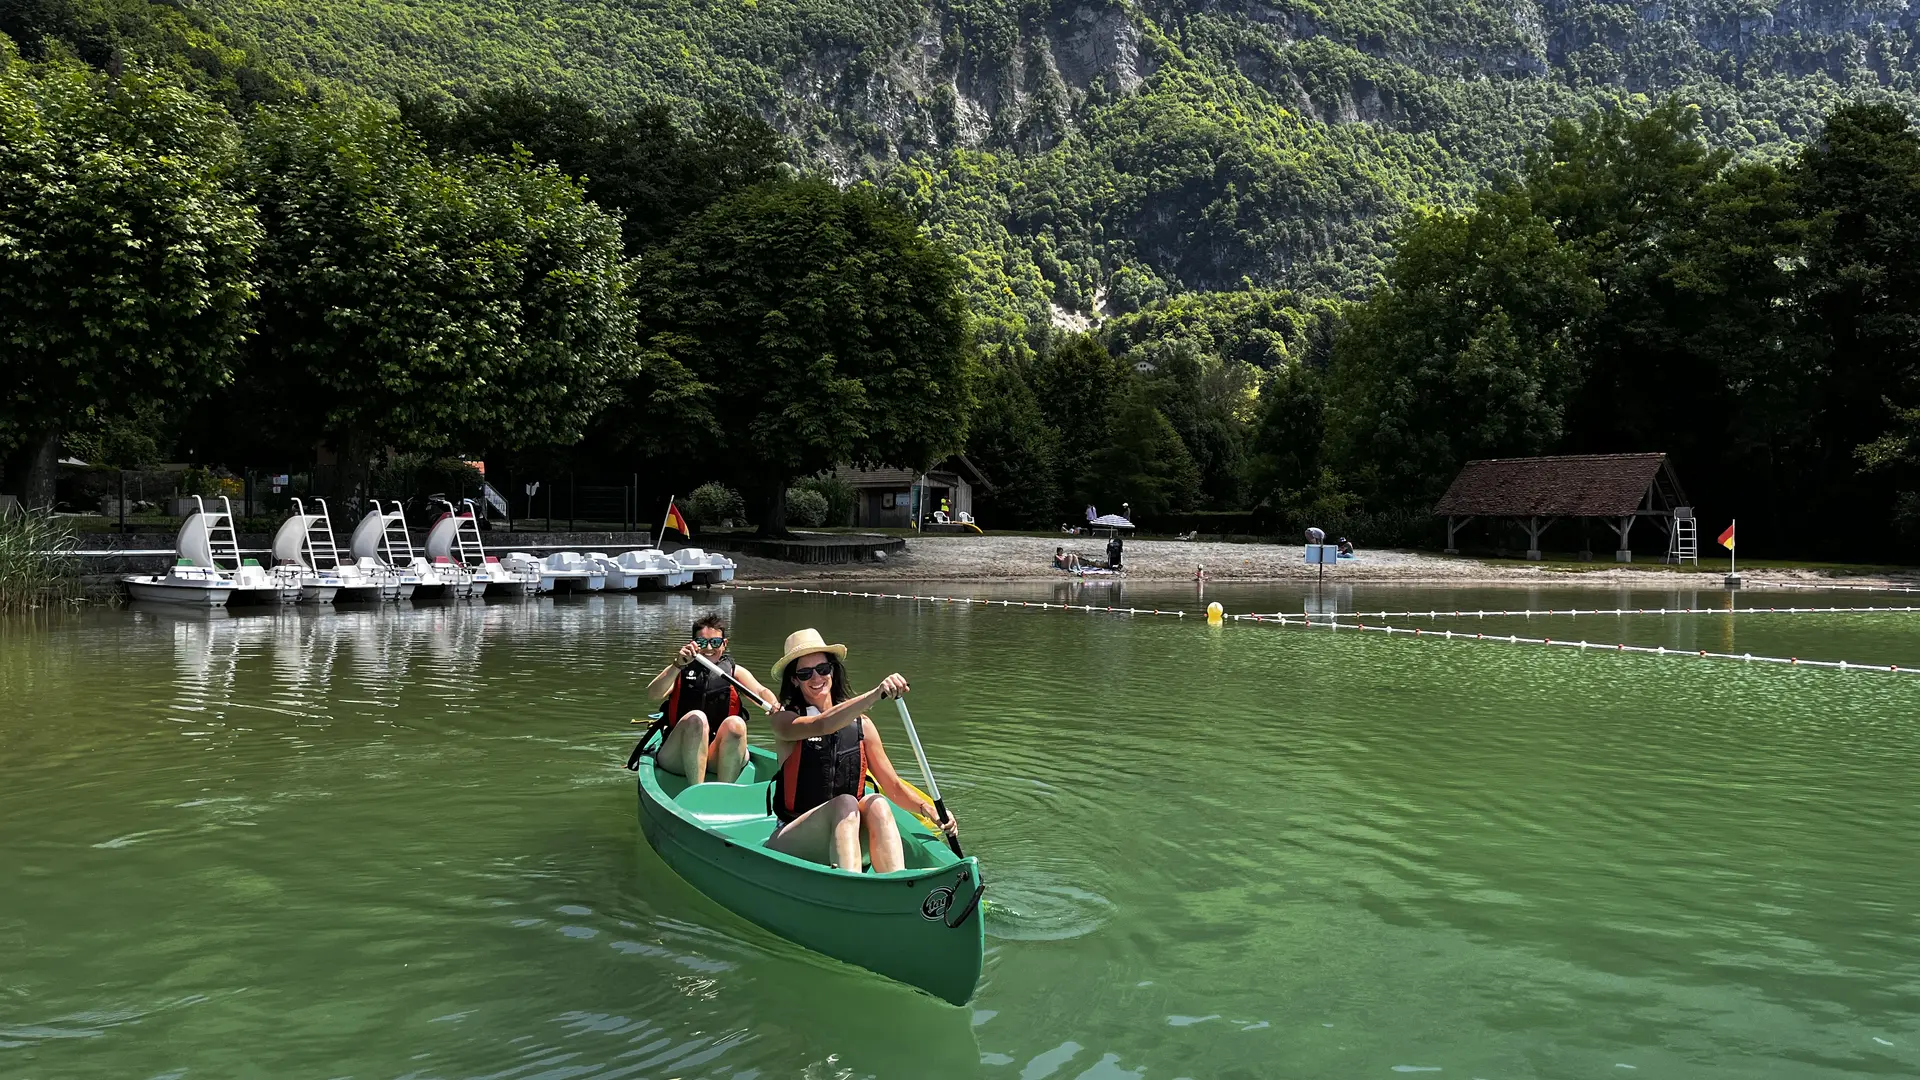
(730,750)
(685,751)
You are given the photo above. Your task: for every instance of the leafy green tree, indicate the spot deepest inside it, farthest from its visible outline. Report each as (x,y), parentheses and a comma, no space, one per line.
(1015,447)
(1467,350)
(425,307)
(1142,461)
(1284,453)
(1079,385)
(186,45)
(1210,402)
(124,254)
(642,164)
(1859,185)
(796,327)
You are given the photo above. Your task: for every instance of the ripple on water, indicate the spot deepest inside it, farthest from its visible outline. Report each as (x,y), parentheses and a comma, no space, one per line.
(1028,908)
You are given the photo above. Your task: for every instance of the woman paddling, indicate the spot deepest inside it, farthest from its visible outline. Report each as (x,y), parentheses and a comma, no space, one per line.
(826,747)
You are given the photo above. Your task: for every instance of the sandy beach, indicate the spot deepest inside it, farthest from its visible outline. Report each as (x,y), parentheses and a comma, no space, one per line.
(1030,558)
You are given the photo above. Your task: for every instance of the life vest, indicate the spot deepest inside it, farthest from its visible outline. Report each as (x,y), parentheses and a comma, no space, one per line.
(819,769)
(698,688)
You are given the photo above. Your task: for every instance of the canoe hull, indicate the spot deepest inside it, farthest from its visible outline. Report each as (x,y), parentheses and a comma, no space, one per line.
(894,924)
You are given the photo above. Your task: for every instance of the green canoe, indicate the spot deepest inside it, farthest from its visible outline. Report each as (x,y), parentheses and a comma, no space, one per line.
(920,925)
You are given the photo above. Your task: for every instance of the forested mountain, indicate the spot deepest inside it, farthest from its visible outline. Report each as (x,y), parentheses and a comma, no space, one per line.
(1332,251)
(1100,155)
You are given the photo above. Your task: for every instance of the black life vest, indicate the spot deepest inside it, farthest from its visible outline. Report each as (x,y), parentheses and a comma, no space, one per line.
(698,688)
(819,769)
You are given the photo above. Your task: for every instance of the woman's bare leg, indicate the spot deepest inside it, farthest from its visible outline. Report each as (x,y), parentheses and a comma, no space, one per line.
(828,833)
(729,753)
(883,834)
(685,750)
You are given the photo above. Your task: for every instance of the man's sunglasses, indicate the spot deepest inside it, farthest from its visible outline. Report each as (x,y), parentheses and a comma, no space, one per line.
(822,670)
(709,642)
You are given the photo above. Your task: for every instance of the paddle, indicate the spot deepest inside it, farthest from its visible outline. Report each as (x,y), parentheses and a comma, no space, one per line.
(926,770)
(737,684)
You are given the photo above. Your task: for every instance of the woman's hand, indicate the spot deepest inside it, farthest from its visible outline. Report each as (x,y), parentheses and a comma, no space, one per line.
(685,655)
(950,826)
(893,686)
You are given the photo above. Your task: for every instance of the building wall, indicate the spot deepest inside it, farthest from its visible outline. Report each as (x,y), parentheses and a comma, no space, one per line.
(871,511)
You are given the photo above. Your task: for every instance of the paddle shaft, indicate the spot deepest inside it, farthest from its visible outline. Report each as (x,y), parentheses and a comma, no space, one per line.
(926,770)
(737,684)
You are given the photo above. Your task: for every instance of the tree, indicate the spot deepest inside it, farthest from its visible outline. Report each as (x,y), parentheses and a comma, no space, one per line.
(425,307)
(1209,402)
(190,48)
(1078,384)
(1859,184)
(1284,452)
(1016,449)
(1467,350)
(1142,461)
(643,164)
(124,254)
(796,327)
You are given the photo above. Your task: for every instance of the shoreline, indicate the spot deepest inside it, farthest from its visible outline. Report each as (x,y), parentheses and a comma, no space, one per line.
(1001,560)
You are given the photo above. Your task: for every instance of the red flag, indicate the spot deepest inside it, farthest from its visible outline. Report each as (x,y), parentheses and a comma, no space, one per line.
(677,523)
(1726,538)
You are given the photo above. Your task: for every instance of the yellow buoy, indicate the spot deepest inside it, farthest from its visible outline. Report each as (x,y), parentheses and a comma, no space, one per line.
(1215,613)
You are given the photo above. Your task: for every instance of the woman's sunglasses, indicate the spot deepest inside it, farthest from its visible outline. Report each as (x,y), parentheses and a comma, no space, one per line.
(822,670)
(709,642)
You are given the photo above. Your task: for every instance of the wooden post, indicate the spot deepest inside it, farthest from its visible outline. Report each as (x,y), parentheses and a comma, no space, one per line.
(1625,553)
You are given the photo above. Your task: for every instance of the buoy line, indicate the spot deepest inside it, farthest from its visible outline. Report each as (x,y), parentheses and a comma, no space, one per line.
(1828,588)
(1463,613)
(1517,639)
(1104,609)
(1305,620)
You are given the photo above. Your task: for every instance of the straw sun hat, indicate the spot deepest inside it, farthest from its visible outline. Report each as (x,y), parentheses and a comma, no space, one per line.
(802,642)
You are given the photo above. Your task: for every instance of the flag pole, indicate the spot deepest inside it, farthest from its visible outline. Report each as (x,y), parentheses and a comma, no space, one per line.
(1733,557)
(663,521)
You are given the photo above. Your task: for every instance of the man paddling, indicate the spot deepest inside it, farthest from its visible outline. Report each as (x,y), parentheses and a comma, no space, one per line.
(705,719)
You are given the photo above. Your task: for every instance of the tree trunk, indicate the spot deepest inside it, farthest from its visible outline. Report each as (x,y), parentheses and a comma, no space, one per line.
(773,510)
(356,459)
(32,468)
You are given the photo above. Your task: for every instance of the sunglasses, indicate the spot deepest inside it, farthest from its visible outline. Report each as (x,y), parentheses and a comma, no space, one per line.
(709,642)
(822,670)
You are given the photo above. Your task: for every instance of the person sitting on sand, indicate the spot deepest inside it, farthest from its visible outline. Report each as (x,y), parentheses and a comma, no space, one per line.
(1065,560)
(827,746)
(705,719)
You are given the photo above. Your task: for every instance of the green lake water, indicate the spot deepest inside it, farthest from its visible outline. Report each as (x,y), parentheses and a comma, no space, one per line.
(399,844)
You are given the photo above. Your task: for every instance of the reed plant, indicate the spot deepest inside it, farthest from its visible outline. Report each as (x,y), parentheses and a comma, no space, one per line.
(38,567)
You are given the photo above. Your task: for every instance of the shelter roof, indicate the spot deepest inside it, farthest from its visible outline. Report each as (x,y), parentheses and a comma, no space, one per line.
(1573,485)
(955,467)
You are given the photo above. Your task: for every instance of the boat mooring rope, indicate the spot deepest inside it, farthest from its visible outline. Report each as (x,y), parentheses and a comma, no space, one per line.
(1331,622)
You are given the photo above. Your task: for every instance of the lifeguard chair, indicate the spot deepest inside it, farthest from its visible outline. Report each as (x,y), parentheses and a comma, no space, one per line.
(1683,543)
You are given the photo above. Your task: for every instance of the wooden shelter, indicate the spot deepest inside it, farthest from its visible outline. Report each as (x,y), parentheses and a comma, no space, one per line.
(1618,488)
(889,497)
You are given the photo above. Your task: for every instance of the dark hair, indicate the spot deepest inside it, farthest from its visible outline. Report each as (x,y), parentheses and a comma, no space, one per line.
(713,620)
(792,698)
